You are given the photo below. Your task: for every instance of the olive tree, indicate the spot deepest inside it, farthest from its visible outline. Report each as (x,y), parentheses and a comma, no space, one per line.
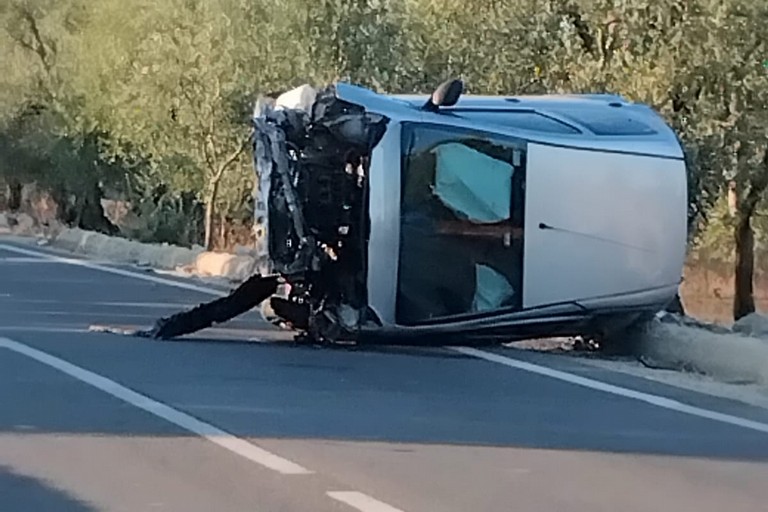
(734,100)
(52,142)
(177,100)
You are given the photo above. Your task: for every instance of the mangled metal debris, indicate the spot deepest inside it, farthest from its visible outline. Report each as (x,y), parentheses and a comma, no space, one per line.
(440,219)
(312,160)
(252,292)
(245,297)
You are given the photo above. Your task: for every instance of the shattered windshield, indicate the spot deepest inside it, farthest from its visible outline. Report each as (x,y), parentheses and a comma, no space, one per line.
(461,220)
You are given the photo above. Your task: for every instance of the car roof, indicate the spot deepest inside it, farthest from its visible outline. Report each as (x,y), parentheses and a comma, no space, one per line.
(606,121)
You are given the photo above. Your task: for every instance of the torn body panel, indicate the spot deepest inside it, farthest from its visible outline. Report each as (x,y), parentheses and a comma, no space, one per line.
(312,161)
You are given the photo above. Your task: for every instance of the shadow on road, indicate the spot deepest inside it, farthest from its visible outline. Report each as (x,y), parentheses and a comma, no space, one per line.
(21,492)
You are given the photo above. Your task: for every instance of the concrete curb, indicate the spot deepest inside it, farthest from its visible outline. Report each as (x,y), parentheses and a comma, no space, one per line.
(161,256)
(727,357)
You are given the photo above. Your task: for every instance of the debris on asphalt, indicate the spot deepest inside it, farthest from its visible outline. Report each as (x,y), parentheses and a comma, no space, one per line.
(123,331)
(242,299)
(676,365)
(687,321)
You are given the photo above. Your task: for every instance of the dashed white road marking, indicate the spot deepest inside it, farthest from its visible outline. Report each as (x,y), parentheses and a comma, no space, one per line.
(205,430)
(361,502)
(658,401)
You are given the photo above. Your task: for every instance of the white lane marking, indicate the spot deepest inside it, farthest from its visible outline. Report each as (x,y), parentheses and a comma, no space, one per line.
(658,401)
(138,305)
(361,502)
(88,314)
(206,430)
(30,259)
(26,328)
(117,271)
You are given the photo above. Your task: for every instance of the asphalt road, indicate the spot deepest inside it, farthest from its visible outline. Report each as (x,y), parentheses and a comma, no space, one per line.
(92,422)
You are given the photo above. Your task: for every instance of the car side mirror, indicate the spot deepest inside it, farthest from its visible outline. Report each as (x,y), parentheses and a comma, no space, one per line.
(447,94)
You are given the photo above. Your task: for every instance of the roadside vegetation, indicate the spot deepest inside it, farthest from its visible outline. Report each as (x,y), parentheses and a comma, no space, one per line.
(147,103)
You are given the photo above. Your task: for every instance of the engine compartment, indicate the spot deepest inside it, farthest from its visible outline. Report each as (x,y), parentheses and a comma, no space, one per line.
(312,155)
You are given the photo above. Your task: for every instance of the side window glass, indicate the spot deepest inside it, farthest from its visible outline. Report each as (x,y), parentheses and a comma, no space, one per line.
(461,192)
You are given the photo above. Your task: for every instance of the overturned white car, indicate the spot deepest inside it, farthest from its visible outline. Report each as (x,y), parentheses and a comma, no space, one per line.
(450,218)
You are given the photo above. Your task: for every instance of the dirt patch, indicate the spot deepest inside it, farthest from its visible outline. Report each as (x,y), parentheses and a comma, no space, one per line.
(708,288)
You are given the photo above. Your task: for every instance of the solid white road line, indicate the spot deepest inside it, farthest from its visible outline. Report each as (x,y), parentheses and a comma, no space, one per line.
(30,259)
(137,305)
(111,270)
(570,378)
(655,400)
(26,328)
(214,434)
(361,502)
(89,314)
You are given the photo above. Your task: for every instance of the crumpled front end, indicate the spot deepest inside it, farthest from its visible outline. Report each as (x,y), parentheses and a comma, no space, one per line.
(311,154)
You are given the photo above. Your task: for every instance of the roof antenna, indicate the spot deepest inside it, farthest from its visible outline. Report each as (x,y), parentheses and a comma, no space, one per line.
(447,94)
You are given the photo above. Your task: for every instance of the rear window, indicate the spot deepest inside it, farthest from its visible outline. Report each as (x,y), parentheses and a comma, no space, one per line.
(608,121)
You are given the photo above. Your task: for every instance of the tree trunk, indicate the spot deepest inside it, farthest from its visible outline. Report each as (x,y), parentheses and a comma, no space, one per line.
(14,195)
(90,214)
(223,230)
(210,211)
(743,301)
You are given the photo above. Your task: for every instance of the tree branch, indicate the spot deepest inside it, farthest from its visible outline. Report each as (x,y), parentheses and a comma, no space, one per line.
(207,134)
(40,47)
(233,157)
(582,28)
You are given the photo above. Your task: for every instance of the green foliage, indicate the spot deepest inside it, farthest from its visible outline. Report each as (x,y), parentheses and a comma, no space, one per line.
(149,101)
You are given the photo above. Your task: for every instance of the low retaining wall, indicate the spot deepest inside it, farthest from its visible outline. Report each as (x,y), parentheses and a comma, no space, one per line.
(725,356)
(162,256)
